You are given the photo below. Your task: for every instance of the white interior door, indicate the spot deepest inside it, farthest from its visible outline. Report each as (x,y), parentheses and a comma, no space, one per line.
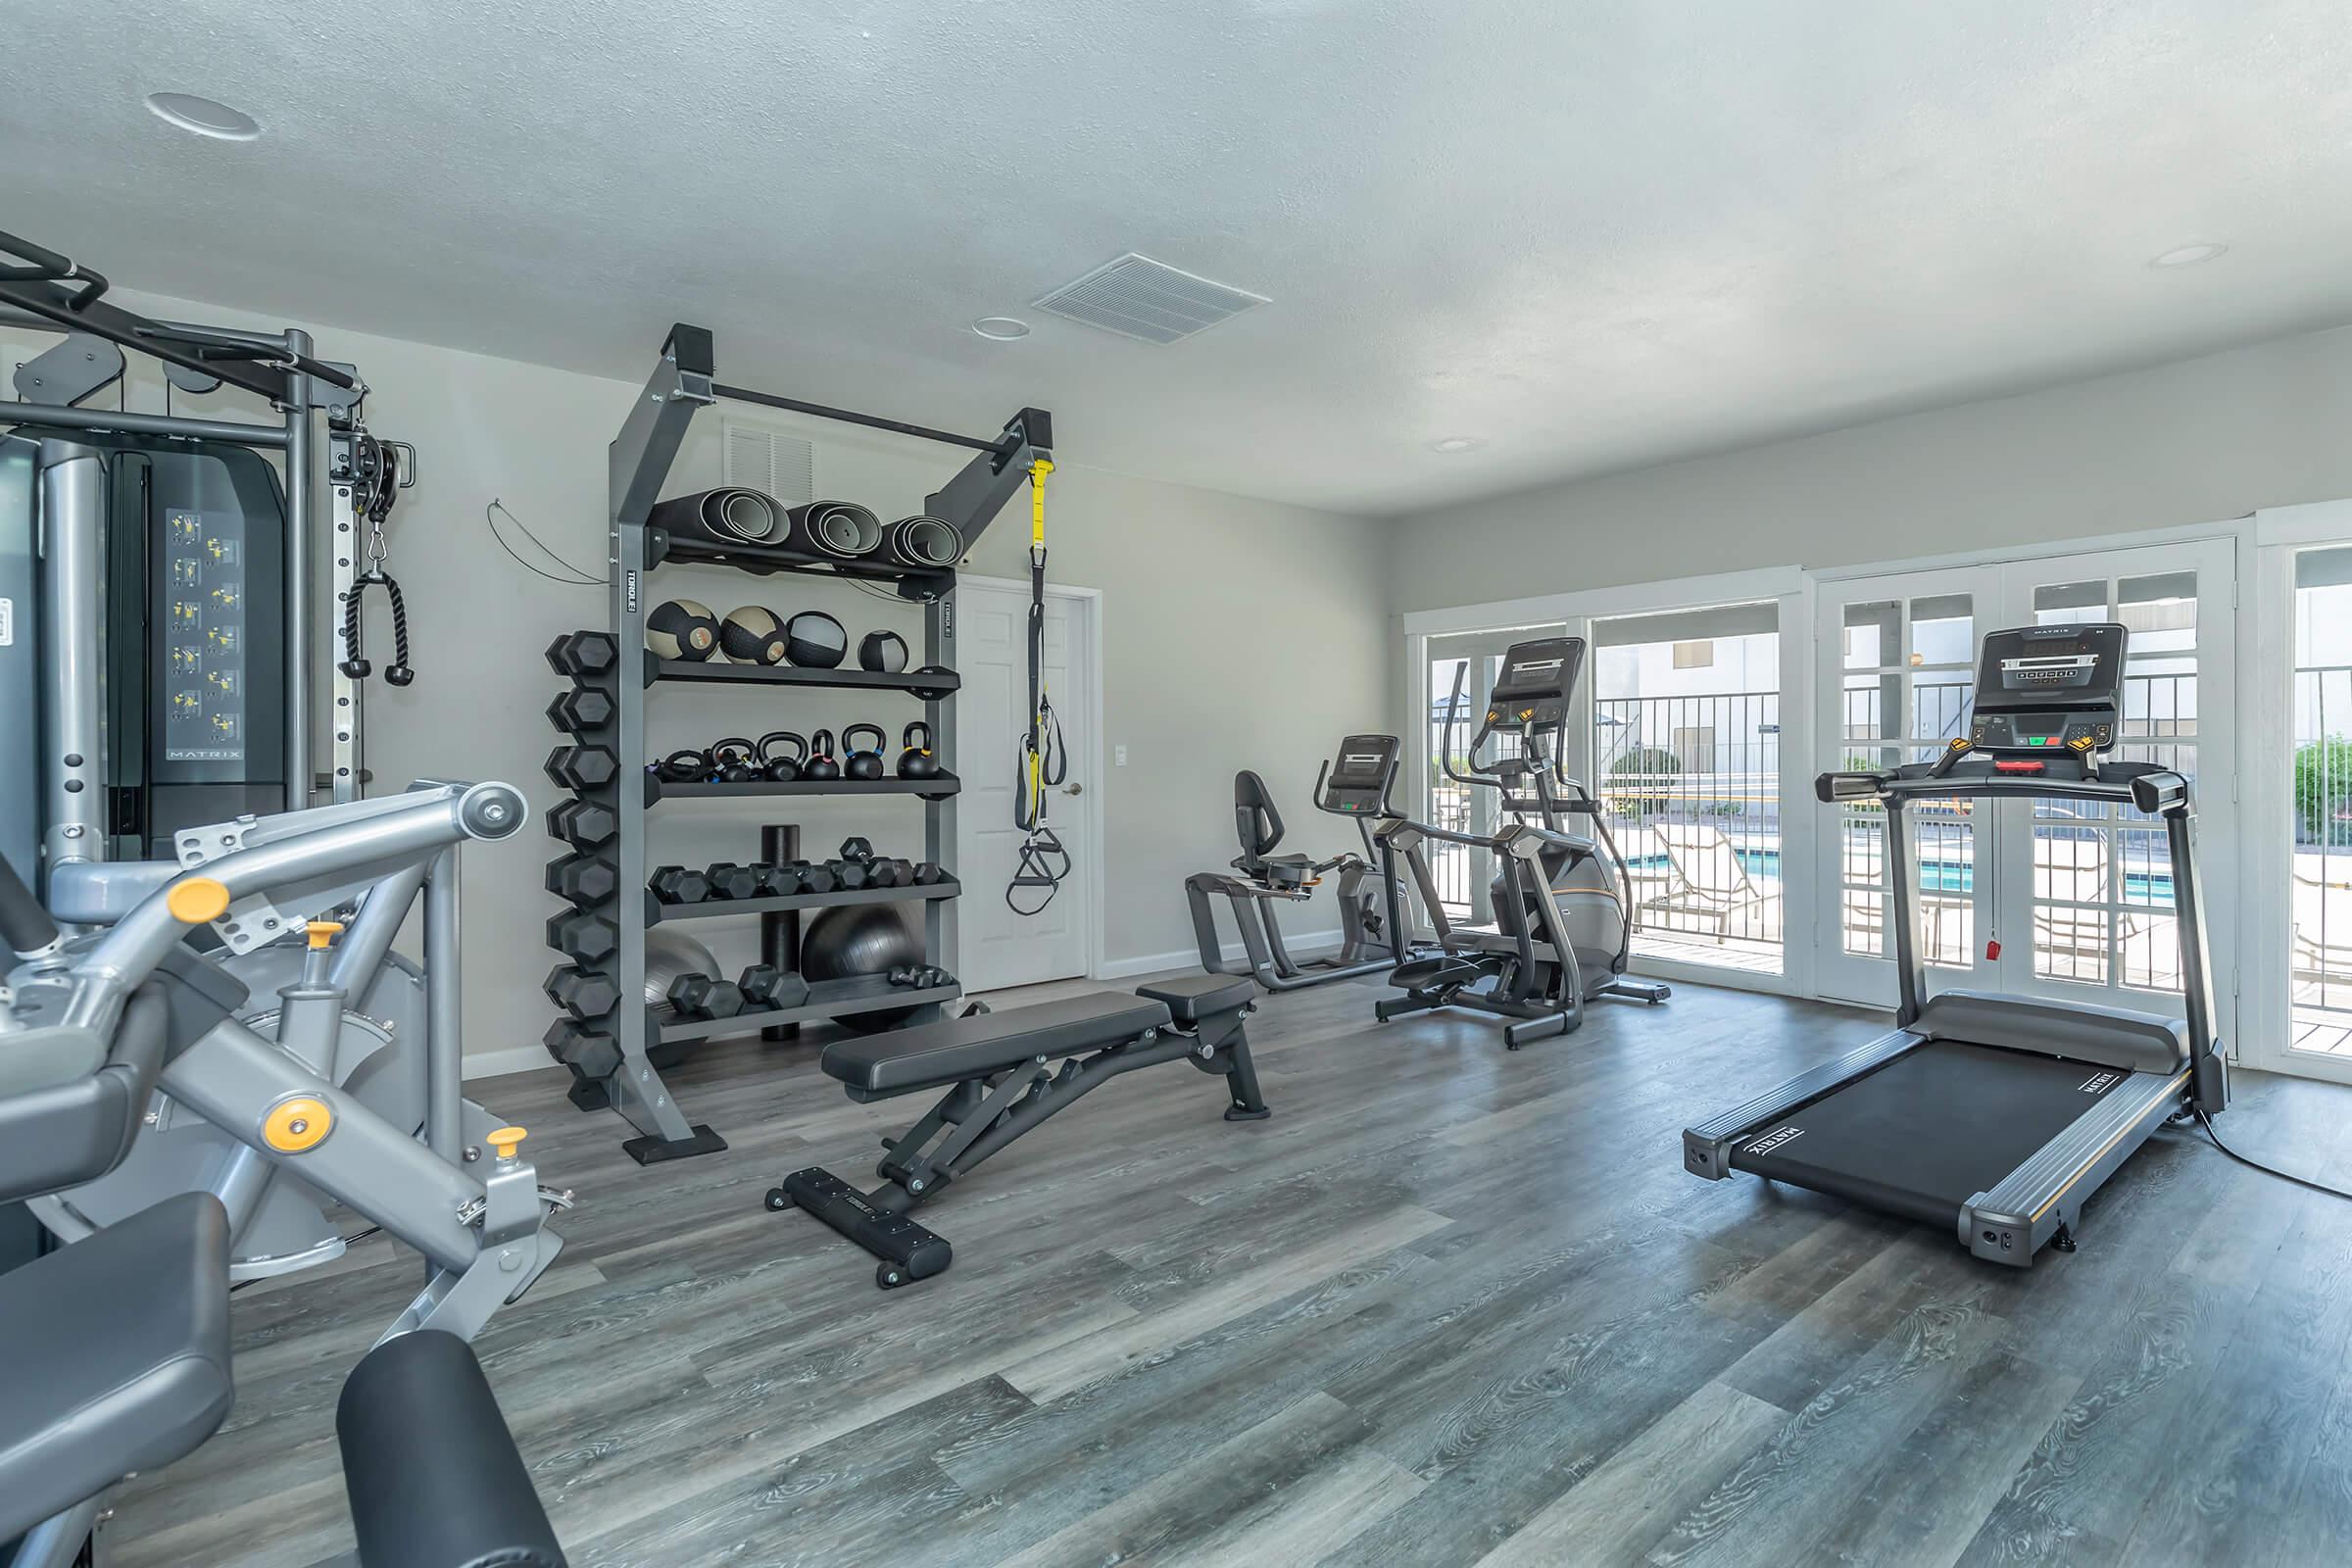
(998,947)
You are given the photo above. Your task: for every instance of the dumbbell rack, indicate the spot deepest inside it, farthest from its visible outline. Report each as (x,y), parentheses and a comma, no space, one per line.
(616,1044)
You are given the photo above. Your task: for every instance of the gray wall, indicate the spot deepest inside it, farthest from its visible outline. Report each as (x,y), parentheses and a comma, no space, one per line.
(1237,634)
(2179,444)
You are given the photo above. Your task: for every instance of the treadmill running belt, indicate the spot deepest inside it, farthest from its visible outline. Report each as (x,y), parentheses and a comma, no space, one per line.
(1931,1130)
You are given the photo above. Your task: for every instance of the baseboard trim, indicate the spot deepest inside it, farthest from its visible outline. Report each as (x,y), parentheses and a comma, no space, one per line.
(1306,945)
(499,1063)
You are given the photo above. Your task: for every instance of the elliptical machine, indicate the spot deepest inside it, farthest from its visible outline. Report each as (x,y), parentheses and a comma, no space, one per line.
(1354,785)
(1561,936)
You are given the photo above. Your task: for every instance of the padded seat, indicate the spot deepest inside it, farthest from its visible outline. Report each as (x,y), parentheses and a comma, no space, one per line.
(1195,996)
(953,1050)
(114,1356)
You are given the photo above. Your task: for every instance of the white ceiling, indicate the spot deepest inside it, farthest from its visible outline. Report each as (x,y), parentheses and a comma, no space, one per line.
(1591,234)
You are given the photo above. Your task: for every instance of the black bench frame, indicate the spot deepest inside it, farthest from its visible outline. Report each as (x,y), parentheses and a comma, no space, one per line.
(983,1113)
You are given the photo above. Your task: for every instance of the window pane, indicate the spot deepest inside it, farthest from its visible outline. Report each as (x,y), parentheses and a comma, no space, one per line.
(1874,634)
(2057,603)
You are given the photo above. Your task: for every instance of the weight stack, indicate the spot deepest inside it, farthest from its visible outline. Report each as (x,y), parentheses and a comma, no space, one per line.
(584,985)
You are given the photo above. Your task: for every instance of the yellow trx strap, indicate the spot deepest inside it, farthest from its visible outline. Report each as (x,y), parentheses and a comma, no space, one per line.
(1045,761)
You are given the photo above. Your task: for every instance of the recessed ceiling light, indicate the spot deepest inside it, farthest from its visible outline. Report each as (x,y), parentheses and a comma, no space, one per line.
(205,117)
(1457,443)
(1001,328)
(2187,256)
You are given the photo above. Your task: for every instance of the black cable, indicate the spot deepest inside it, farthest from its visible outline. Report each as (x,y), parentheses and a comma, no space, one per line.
(2205,1122)
(578,577)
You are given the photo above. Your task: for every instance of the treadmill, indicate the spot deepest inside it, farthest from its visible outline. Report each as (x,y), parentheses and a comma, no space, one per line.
(1990,1115)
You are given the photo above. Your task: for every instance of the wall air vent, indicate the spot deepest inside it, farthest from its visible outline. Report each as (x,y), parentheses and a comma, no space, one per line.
(774,463)
(1138,297)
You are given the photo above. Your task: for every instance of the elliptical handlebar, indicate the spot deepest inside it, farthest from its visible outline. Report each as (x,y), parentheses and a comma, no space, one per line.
(1453,707)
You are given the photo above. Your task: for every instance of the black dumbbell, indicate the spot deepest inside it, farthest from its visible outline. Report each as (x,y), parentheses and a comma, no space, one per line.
(918,977)
(731,881)
(857,847)
(892,873)
(588,878)
(582,992)
(778,881)
(580,709)
(815,878)
(583,935)
(705,996)
(582,767)
(849,876)
(763,985)
(680,884)
(581,654)
(582,825)
(926,872)
(586,1049)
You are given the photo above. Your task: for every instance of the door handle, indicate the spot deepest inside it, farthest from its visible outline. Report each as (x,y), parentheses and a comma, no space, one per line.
(1073,789)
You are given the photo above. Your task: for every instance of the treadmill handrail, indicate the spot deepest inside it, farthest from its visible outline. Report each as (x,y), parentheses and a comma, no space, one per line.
(2158,791)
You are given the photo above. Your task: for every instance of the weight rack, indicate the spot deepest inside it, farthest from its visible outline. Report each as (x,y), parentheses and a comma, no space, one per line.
(614,1043)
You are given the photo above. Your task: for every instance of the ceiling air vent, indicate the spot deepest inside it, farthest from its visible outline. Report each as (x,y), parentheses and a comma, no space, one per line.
(1138,297)
(780,466)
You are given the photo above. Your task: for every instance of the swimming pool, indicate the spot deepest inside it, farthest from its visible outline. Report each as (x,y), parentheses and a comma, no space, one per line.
(1934,876)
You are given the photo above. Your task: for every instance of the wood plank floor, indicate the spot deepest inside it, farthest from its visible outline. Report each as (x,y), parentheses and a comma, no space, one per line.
(1451,1305)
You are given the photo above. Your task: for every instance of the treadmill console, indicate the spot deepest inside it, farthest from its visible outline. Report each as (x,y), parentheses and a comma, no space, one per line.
(1360,775)
(2043,689)
(1531,692)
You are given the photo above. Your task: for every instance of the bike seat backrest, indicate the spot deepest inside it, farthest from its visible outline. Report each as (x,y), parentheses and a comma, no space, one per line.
(1256,820)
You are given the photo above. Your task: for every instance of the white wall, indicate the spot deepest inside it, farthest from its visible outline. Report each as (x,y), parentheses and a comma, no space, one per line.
(1238,634)
(2186,443)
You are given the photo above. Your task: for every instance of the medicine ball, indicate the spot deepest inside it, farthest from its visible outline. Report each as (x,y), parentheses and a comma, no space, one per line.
(882,650)
(868,939)
(753,636)
(680,628)
(814,640)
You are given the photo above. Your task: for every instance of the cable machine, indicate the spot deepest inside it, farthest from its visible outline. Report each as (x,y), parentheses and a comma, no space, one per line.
(206,558)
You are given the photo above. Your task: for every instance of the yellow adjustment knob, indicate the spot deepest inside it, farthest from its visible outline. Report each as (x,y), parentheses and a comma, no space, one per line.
(323,933)
(296,1124)
(504,1141)
(195,899)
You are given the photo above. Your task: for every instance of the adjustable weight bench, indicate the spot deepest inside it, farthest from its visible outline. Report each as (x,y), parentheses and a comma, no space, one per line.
(996,1068)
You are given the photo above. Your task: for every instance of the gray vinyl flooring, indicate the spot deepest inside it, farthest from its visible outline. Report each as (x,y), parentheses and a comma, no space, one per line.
(1452,1305)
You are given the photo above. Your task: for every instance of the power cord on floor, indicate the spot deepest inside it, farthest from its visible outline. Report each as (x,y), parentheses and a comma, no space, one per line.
(2205,1122)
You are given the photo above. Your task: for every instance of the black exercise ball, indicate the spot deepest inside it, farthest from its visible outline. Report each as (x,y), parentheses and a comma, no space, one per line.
(884,651)
(753,636)
(680,628)
(814,640)
(864,939)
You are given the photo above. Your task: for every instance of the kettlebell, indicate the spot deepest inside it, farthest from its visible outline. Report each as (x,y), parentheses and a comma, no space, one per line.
(916,760)
(731,756)
(780,769)
(867,763)
(821,768)
(687,766)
